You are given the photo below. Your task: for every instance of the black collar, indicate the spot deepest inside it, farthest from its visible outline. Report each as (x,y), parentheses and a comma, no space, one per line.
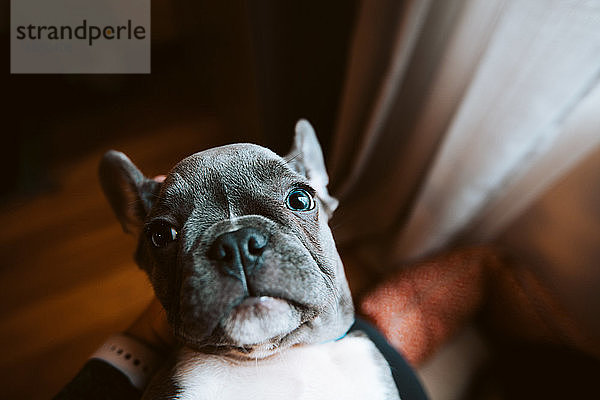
(408,383)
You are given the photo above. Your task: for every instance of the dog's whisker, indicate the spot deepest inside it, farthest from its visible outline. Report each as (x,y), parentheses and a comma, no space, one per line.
(292,157)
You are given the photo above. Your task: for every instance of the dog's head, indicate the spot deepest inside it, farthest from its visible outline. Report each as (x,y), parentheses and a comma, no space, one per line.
(236,244)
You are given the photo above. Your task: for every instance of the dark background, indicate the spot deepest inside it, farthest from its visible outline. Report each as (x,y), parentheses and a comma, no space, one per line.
(257,66)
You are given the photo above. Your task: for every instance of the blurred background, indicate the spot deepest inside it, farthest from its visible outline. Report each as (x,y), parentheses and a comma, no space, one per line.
(444,124)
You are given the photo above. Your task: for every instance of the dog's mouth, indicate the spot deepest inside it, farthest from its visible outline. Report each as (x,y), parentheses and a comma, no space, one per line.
(254,327)
(260,320)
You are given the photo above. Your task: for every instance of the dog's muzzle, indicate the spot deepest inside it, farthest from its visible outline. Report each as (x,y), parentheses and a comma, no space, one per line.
(239,253)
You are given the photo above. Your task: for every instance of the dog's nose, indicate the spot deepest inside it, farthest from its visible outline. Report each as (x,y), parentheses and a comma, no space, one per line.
(239,252)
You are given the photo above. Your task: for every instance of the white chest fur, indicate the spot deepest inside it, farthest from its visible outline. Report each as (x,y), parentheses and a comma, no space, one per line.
(345,369)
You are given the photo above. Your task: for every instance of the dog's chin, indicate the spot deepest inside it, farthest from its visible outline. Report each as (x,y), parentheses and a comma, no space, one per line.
(258,323)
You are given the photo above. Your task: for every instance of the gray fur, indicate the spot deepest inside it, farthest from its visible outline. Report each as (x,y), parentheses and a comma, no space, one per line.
(225,189)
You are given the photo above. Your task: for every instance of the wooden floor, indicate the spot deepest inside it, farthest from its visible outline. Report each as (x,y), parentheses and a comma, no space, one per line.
(67,279)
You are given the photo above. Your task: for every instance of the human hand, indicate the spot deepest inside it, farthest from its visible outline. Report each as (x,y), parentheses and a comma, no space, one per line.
(152,328)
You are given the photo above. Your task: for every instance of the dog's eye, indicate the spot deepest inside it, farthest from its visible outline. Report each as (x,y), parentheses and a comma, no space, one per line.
(161,234)
(299,200)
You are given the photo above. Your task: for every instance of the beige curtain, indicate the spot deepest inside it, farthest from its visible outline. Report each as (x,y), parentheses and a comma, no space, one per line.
(456,115)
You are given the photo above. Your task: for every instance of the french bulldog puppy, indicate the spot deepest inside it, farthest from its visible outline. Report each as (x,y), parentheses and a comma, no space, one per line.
(236,245)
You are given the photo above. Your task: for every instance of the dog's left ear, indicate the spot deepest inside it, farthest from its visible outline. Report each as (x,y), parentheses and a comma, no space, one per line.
(130,194)
(306,158)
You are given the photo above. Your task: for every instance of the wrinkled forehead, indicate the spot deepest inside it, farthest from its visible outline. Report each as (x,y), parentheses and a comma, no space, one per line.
(229,169)
(229,158)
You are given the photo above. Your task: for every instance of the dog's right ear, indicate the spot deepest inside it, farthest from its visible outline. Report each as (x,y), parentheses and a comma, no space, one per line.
(130,194)
(306,158)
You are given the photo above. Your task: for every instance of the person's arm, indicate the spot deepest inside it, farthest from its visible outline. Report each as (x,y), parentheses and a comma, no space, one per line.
(123,365)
